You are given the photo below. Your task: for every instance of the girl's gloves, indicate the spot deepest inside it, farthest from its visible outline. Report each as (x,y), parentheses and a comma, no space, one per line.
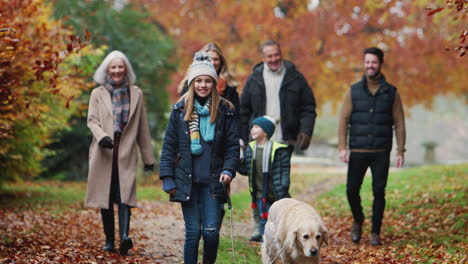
(168,184)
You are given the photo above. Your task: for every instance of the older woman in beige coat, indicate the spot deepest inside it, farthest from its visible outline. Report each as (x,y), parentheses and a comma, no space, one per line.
(117,120)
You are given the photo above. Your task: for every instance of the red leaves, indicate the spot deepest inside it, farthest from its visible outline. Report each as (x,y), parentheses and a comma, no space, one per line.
(68,99)
(435,10)
(461,47)
(87,35)
(463,36)
(459,5)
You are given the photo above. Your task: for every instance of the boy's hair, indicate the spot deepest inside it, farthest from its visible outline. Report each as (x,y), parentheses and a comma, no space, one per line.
(377,52)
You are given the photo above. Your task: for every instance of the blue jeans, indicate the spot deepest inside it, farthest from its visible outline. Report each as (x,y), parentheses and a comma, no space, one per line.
(202,216)
(262,220)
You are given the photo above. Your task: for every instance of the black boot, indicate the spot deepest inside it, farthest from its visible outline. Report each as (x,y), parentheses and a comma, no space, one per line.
(124,225)
(356,231)
(109,229)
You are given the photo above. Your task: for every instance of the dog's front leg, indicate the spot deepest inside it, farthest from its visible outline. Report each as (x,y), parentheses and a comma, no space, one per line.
(268,251)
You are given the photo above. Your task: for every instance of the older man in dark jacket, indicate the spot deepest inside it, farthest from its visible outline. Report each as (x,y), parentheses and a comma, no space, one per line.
(277,89)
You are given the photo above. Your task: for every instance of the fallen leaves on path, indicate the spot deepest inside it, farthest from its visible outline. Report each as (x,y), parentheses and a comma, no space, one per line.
(428,229)
(76,236)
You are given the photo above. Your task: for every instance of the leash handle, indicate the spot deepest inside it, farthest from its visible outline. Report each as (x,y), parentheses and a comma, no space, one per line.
(225,188)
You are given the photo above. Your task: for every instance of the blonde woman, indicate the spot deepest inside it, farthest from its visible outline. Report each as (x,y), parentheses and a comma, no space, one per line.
(226,85)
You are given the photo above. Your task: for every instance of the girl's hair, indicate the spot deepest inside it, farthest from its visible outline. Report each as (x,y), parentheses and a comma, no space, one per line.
(189,100)
(100,74)
(223,73)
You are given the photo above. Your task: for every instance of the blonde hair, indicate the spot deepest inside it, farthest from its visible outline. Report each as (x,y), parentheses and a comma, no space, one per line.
(100,74)
(223,73)
(189,100)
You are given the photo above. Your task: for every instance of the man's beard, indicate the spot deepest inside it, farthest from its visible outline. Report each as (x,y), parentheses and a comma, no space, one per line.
(377,72)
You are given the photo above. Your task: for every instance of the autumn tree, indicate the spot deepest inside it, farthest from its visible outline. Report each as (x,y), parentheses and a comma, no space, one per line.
(148,49)
(456,11)
(325,39)
(39,59)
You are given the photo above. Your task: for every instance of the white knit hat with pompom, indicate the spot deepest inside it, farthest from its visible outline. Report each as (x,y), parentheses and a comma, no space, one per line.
(201,65)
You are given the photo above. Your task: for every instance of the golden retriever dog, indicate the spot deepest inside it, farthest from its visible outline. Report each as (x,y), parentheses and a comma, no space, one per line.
(294,233)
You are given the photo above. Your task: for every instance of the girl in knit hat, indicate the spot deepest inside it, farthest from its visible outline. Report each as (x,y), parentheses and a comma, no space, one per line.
(226,85)
(267,164)
(200,151)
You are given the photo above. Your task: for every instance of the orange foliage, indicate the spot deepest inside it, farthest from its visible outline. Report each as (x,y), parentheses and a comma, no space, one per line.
(461,8)
(37,82)
(325,41)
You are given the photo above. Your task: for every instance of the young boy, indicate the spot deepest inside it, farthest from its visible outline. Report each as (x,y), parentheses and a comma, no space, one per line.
(267,164)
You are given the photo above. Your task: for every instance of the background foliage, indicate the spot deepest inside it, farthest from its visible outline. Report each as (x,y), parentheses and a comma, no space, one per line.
(325,40)
(46,69)
(149,51)
(40,75)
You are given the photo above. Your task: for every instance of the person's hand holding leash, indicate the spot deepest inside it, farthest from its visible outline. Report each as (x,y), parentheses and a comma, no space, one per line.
(226,178)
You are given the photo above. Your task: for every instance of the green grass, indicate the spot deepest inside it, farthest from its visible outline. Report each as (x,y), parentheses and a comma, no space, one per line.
(445,184)
(151,192)
(246,252)
(61,195)
(54,194)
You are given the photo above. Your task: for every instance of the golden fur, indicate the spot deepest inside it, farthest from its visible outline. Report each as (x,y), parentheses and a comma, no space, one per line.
(294,233)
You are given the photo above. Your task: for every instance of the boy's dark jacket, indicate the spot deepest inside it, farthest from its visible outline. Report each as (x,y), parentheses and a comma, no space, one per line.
(176,159)
(279,168)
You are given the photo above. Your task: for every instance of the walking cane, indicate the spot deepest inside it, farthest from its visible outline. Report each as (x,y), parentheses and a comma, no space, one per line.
(225,188)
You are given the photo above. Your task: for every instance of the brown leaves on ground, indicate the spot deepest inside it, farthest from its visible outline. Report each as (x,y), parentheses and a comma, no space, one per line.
(425,230)
(76,236)
(429,231)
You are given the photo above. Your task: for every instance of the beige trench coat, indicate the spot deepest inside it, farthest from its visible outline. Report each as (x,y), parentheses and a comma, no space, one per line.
(136,132)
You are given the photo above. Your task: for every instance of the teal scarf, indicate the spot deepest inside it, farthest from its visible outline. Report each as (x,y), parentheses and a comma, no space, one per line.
(201,123)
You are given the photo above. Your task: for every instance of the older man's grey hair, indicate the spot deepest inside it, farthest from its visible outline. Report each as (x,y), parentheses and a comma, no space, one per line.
(100,74)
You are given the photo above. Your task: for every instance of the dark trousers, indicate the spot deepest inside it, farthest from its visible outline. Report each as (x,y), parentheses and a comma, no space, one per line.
(379,163)
(114,197)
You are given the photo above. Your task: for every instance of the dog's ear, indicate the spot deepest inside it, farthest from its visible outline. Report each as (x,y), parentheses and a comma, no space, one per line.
(324,232)
(291,238)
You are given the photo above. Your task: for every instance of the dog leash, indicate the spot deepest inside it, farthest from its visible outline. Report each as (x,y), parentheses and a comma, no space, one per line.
(277,255)
(225,188)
